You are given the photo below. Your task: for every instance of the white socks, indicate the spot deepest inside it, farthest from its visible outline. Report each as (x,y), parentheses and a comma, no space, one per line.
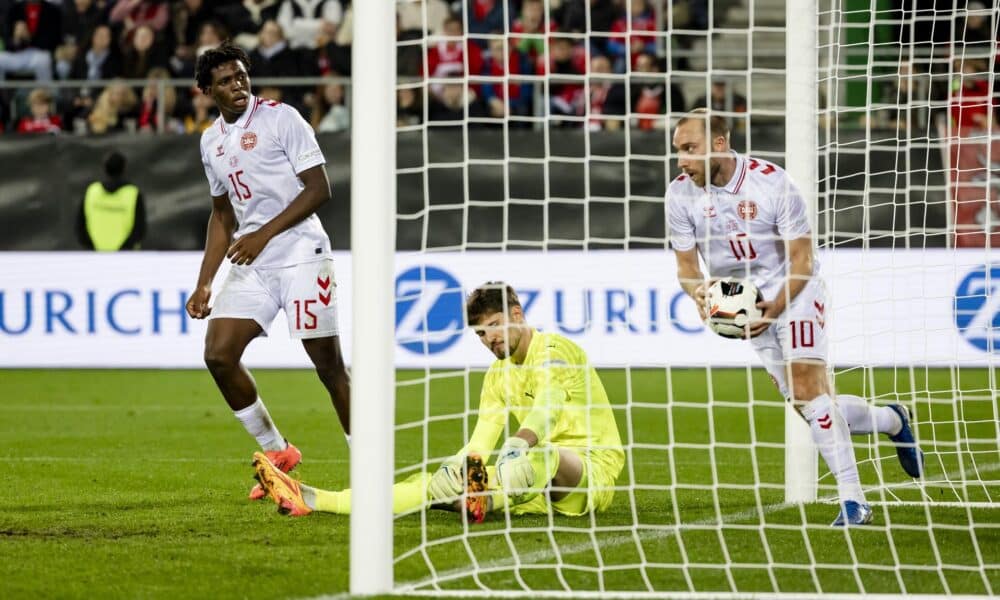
(829,431)
(861,417)
(258,423)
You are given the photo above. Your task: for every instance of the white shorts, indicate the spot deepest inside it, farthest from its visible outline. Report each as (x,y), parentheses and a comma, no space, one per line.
(799,334)
(307,292)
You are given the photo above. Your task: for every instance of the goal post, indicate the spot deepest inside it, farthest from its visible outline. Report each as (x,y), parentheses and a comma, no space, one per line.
(373,241)
(521,169)
(801,113)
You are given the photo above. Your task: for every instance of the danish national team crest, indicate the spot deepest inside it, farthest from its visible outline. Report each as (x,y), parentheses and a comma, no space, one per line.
(248,141)
(747,210)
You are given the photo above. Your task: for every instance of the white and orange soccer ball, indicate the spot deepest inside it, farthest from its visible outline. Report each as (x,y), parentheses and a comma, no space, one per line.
(732,304)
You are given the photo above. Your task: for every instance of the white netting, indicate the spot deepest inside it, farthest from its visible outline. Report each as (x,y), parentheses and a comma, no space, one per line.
(547,168)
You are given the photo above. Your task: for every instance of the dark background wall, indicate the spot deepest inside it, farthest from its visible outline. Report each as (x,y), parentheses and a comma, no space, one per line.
(460,199)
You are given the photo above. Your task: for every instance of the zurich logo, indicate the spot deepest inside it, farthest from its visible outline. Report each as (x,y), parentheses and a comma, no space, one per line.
(977,307)
(429,306)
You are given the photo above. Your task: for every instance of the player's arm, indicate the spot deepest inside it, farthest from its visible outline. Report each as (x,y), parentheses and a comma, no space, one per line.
(315,193)
(221,226)
(800,268)
(447,482)
(691,278)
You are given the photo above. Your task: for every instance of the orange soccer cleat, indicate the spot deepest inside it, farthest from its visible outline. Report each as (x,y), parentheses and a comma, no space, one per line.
(286,460)
(476,496)
(284,490)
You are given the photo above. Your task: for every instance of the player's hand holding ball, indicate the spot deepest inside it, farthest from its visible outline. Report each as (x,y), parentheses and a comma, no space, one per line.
(514,470)
(735,309)
(447,483)
(197,305)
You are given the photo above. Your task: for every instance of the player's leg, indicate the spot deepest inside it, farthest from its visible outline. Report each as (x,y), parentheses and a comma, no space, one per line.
(244,310)
(309,297)
(298,499)
(327,357)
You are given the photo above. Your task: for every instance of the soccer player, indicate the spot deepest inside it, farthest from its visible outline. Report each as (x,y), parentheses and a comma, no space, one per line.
(564,456)
(267,180)
(747,219)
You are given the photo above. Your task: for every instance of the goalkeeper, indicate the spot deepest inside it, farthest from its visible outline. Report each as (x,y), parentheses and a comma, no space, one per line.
(565,455)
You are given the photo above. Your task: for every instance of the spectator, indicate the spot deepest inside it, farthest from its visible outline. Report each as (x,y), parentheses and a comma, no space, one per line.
(410,17)
(971,102)
(33,31)
(149,117)
(329,112)
(114,107)
(273,58)
(723,99)
(82,17)
(100,60)
(448,57)
(529,30)
(566,93)
(908,102)
(333,53)
(189,16)
(41,119)
(641,19)
(503,60)
(245,18)
(571,16)
(133,14)
(112,215)
(485,16)
(974,35)
(211,35)
(303,20)
(648,92)
(453,101)
(143,54)
(607,97)
(409,108)
(203,113)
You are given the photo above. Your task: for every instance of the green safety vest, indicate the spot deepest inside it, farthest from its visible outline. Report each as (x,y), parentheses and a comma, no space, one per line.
(110,216)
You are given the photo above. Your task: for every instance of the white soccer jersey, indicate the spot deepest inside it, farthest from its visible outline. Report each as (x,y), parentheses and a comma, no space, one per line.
(256,161)
(740,228)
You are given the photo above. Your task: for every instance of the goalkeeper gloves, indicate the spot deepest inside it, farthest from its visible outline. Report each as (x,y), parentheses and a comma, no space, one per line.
(514,470)
(447,483)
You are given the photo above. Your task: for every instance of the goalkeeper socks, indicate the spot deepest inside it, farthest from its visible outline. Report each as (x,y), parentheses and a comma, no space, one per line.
(257,421)
(861,416)
(407,495)
(831,435)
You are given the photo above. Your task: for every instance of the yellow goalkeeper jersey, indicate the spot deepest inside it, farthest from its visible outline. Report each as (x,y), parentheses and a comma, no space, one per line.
(556,394)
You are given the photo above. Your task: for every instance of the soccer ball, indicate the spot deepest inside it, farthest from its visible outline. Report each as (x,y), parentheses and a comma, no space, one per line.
(731,305)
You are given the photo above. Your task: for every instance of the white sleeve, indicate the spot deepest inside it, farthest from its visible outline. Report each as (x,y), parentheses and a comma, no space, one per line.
(333,11)
(217,187)
(792,217)
(298,140)
(681,228)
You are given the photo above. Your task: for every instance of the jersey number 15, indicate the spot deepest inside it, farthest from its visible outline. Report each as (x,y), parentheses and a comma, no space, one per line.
(239,188)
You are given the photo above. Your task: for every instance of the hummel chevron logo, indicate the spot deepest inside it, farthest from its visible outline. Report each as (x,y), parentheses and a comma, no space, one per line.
(825,421)
(325,298)
(324,282)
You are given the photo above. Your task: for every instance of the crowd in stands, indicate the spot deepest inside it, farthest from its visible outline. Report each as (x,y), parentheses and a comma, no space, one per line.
(480,58)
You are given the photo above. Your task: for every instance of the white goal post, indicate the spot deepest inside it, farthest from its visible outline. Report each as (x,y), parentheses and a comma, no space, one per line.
(723,493)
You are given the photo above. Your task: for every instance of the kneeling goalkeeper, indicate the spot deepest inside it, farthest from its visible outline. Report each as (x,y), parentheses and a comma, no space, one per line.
(565,455)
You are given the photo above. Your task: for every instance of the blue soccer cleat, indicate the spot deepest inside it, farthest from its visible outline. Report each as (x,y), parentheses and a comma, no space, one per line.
(853,513)
(910,456)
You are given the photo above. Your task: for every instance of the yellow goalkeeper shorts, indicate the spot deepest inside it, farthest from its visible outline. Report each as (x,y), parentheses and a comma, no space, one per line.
(595,491)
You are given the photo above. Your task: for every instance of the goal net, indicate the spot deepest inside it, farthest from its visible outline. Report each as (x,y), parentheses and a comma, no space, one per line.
(533,145)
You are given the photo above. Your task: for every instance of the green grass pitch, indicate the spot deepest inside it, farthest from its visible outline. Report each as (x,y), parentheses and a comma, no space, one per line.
(132,484)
